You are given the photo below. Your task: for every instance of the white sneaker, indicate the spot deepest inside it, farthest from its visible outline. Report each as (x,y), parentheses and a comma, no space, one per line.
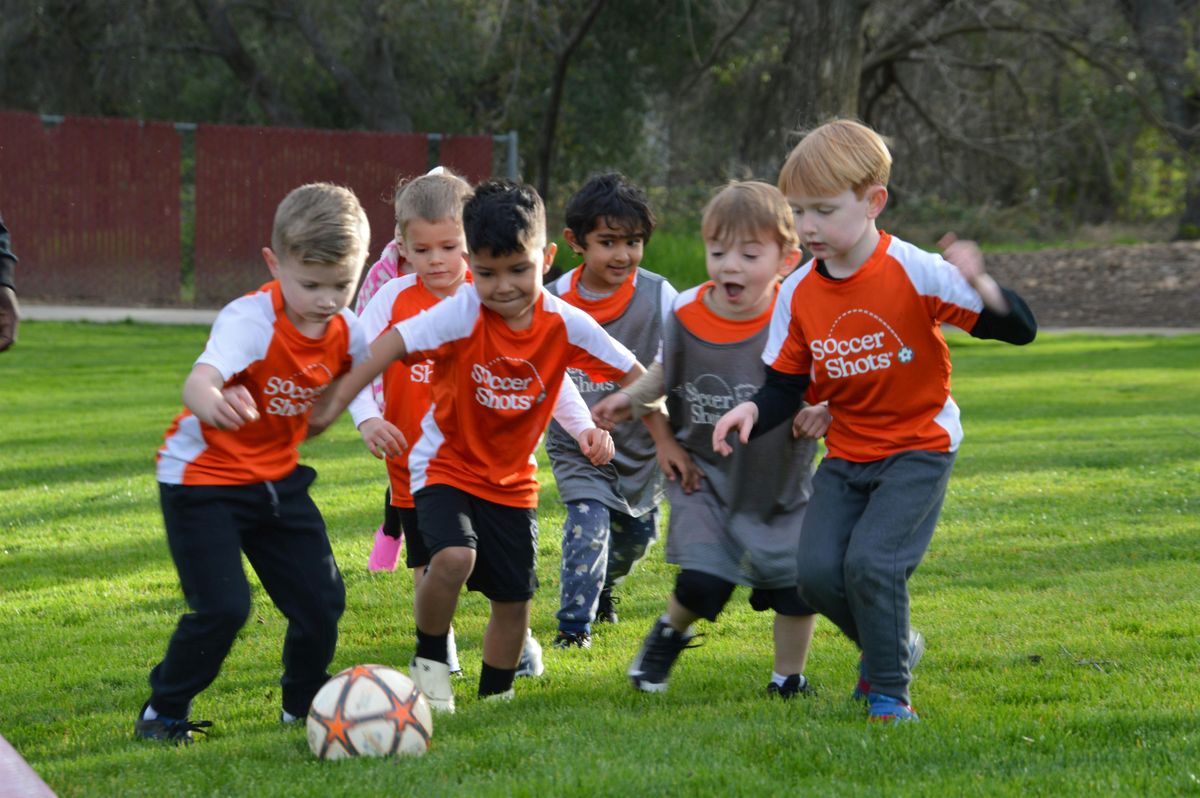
(531,657)
(433,679)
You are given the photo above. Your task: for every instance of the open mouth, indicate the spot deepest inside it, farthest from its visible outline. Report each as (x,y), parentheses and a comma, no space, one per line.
(732,290)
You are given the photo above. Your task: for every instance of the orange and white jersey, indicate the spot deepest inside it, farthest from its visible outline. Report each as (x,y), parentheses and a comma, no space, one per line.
(874,348)
(495,388)
(253,343)
(405,397)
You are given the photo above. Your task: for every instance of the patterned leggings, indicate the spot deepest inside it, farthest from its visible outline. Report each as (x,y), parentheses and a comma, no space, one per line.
(600,547)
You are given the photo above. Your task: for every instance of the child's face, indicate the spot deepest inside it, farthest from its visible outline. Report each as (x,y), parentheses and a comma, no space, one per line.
(832,227)
(438,254)
(610,254)
(745,273)
(313,293)
(511,284)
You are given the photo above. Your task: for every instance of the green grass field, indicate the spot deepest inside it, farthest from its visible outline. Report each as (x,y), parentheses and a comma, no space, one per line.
(1059,599)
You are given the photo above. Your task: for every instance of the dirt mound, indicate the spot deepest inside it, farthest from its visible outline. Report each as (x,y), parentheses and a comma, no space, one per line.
(1146,285)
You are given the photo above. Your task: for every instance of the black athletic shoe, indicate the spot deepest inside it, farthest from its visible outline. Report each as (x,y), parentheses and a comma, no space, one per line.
(794,685)
(566,640)
(172,730)
(652,665)
(605,611)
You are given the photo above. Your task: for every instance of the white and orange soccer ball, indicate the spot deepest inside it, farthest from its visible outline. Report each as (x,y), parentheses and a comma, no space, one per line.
(369,710)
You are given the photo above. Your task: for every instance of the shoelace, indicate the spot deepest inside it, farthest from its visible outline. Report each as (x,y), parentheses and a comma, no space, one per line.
(179,729)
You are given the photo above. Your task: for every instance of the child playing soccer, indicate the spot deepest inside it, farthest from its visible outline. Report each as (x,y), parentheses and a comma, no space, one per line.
(228,471)
(612,512)
(733,521)
(392,263)
(429,214)
(499,352)
(863,318)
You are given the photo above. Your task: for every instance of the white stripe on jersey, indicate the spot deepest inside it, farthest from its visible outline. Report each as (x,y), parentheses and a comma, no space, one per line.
(424,450)
(449,320)
(949,419)
(933,275)
(584,332)
(781,315)
(180,450)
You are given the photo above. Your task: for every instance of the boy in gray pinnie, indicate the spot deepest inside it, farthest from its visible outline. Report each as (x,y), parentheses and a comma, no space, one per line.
(734,521)
(612,512)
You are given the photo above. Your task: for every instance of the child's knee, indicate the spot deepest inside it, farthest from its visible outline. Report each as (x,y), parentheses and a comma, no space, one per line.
(452,564)
(864,573)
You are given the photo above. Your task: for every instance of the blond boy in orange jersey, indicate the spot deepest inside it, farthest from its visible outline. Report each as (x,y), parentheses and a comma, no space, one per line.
(500,350)
(228,471)
(864,319)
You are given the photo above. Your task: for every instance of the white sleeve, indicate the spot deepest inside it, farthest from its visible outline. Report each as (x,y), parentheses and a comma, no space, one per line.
(241,335)
(449,320)
(571,411)
(375,318)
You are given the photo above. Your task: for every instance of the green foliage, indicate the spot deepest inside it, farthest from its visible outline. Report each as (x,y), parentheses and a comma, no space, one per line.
(1158,178)
(1058,598)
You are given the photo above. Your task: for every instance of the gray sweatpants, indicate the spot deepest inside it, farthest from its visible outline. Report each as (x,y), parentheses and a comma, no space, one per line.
(866,529)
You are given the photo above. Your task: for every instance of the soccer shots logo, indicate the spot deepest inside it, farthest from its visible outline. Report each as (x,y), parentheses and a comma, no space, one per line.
(709,397)
(294,395)
(852,355)
(508,383)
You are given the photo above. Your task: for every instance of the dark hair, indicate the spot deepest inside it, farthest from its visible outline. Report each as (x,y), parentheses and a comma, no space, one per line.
(504,217)
(612,197)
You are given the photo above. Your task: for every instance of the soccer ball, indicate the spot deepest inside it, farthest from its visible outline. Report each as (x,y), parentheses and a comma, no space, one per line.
(369,710)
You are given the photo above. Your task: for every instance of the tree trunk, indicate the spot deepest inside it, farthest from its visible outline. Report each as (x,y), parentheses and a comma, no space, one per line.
(1168,38)
(829,65)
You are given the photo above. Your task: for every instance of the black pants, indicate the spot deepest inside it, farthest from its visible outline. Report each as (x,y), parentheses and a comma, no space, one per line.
(283,535)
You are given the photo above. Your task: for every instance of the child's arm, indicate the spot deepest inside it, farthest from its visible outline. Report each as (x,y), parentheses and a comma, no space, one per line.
(673,459)
(205,394)
(1005,316)
(571,412)
(635,401)
(387,347)
(812,421)
(382,438)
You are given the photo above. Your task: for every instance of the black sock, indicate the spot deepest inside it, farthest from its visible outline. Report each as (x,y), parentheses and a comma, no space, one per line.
(434,647)
(493,681)
(391,520)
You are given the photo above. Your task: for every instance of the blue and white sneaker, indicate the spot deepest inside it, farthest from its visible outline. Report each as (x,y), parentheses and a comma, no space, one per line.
(888,709)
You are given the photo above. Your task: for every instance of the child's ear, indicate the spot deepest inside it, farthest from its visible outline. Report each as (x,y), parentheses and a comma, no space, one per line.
(574,243)
(877,197)
(548,256)
(272,262)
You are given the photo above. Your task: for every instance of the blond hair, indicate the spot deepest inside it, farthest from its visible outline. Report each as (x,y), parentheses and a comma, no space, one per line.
(435,197)
(321,223)
(838,155)
(744,210)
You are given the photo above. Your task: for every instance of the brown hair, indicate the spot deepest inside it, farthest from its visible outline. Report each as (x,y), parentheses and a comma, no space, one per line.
(746,209)
(433,197)
(838,155)
(321,223)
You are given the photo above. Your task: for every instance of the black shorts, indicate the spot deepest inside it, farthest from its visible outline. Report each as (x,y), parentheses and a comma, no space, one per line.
(416,553)
(504,538)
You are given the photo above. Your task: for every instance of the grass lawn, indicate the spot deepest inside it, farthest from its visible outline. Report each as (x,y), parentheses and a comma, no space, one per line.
(1059,599)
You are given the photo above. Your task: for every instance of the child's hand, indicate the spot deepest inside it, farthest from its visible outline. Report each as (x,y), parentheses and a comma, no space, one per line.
(612,410)
(382,438)
(741,419)
(965,255)
(597,446)
(968,259)
(677,464)
(812,421)
(232,408)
